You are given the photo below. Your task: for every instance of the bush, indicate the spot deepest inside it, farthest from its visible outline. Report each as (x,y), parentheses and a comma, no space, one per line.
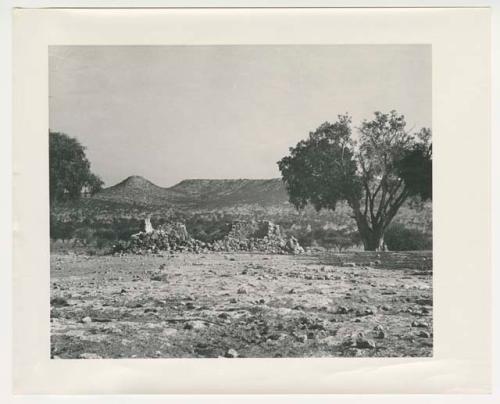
(61,230)
(84,235)
(124,228)
(400,238)
(338,239)
(120,246)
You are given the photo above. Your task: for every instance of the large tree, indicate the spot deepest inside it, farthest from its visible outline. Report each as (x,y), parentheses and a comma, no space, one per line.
(374,173)
(70,173)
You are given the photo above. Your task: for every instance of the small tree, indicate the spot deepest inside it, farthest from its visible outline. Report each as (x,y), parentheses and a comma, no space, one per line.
(375,175)
(69,169)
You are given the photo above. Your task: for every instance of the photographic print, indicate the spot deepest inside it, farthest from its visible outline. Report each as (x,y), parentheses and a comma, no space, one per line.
(240,201)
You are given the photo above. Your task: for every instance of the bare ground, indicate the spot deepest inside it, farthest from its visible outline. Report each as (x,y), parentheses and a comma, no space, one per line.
(241,305)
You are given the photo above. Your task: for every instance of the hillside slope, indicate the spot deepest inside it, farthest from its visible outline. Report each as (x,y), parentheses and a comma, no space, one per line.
(224,193)
(136,190)
(196,193)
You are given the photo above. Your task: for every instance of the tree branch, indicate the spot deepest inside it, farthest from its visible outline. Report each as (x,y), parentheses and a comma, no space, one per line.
(395,207)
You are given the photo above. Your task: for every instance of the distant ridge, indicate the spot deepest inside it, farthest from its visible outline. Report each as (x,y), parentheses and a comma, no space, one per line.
(199,193)
(230,192)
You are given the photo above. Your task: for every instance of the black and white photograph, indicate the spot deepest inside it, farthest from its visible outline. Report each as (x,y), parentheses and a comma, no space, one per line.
(240,201)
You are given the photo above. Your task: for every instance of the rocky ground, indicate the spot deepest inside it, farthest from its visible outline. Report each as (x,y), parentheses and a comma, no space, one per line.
(241,305)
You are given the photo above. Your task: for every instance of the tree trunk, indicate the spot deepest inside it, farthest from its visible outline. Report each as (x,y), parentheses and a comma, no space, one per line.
(371,236)
(373,240)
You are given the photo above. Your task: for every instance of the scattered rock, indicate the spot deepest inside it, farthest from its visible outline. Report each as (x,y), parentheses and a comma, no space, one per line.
(353,352)
(330,341)
(366,312)
(420,324)
(59,302)
(168,332)
(301,337)
(364,343)
(89,356)
(102,320)
(159,277)
(242,290)
(86,320)
(424,302)
(343,310)
(379,332)
(195,325)
(358,341)
(231,353)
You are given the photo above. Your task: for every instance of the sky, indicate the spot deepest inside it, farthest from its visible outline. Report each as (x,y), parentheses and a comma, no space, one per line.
(170,113)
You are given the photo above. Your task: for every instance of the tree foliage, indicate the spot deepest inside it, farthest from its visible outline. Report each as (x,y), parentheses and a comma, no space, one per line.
(70,173)
(375,173)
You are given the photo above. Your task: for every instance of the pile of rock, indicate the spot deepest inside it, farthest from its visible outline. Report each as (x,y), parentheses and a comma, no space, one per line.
(262,236)
(167,237)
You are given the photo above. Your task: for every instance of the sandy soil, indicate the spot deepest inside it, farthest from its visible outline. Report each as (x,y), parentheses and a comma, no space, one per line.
(241,305)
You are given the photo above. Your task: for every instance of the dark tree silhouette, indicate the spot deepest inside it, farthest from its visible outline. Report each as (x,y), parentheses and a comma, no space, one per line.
(375,174)
(70,173)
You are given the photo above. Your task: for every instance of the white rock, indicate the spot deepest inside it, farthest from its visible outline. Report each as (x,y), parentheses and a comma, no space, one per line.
(169,332)
(232,353)
(90,356)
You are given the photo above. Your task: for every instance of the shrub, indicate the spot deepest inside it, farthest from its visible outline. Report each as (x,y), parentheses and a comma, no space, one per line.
(61,230)
(338,239)
(84,235)
(102,242)
(400,238)
(124,228)
(120,246)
